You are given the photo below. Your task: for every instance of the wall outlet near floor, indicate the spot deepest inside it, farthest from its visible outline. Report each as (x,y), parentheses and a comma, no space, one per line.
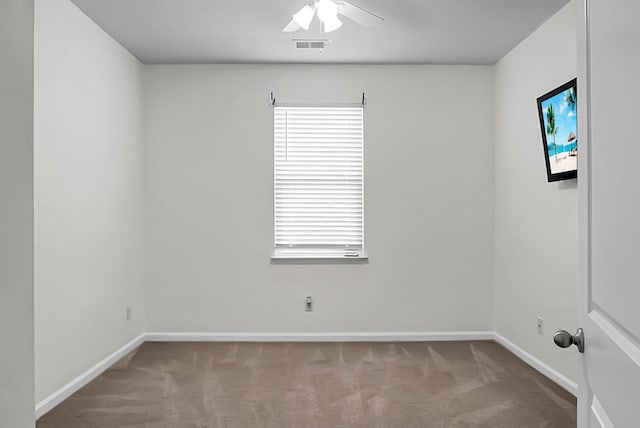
(128,312)
(540,326)
(308,304)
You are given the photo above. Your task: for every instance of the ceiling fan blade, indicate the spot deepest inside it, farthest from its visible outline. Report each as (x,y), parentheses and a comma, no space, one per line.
(291,27)
(358,14)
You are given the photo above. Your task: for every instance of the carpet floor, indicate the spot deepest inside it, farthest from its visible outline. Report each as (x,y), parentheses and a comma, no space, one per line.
(323,385)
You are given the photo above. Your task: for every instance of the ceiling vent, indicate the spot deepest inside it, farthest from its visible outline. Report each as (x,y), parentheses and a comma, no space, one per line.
(310,44)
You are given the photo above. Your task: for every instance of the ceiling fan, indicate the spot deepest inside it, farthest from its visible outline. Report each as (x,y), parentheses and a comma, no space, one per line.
(328,11)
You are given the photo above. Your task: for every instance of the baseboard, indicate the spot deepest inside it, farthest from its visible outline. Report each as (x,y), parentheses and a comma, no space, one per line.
(537,364)
(66,391)
(319,337)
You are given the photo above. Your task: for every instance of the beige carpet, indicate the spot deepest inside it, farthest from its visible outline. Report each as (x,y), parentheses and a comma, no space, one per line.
(287,385)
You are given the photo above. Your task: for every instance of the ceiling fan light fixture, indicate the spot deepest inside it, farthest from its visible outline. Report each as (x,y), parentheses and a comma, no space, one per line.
(304,16)
(331,24)
(327,11)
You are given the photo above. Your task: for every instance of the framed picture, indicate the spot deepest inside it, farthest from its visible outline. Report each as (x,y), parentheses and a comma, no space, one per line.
(558,115)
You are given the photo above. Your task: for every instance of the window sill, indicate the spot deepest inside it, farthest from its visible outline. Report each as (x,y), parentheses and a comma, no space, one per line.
(315,259)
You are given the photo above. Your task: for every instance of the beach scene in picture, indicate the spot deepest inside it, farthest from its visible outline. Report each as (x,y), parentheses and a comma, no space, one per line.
(560,126)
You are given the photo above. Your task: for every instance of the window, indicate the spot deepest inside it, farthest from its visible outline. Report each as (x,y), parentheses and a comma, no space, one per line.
(319,182)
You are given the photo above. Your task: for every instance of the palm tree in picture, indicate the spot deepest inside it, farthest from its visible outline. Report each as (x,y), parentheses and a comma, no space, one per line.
(570,98)
(552,129)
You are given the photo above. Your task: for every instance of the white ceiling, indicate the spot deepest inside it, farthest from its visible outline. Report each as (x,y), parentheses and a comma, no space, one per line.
(248,31)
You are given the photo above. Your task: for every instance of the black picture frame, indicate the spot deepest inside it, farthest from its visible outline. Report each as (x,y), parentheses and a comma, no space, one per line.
(561,157)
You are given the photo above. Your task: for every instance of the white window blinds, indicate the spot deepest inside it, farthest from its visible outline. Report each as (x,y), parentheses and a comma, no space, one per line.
(319,182)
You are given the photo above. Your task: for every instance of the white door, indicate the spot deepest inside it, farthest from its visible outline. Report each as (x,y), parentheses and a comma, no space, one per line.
(609,212)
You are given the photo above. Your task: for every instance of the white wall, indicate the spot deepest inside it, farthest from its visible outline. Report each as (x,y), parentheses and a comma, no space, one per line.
(535,221)
(16,214)
(88,203)
(429,201)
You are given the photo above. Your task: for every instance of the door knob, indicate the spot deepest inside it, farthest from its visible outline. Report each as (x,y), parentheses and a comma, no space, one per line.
(564,339)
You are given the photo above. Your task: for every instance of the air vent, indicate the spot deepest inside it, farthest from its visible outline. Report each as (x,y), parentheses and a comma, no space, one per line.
(310,44)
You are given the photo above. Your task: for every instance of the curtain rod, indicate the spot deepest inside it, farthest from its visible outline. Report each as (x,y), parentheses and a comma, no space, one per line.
(362,103)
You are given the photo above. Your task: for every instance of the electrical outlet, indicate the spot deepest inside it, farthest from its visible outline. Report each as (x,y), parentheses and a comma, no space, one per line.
(308,304)
(128,312)
(540,326)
